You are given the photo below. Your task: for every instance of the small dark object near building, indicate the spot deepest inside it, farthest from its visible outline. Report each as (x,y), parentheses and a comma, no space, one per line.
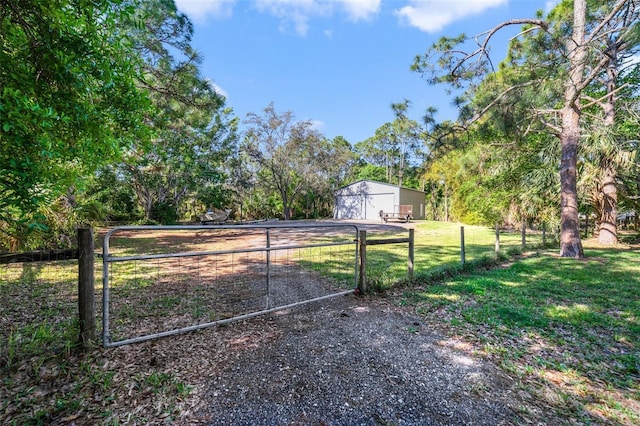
(402,213)
(212,216)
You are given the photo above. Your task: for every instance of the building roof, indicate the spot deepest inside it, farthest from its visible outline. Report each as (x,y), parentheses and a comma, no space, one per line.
(379,183)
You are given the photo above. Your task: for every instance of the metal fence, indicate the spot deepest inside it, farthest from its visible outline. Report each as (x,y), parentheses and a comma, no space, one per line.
(164,280)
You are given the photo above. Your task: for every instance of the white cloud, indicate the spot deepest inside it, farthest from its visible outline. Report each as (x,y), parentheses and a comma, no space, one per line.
(200,10)
(219,90)
(294,14)
(317,125)
(433,15)
(361,9)
(299,12)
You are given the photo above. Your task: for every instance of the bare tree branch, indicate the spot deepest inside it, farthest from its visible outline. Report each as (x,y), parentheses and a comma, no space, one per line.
(498,98)
(482,49)
(605,21)
(598,101)
(540,114)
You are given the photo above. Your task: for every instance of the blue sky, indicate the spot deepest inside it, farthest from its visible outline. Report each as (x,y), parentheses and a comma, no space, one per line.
(338,63)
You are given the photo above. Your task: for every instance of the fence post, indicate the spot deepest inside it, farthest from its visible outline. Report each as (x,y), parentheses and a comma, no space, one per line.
(362,276)
(411,252)
(268,255)
(524,235)
(497,249)
(462,253)
(86,287)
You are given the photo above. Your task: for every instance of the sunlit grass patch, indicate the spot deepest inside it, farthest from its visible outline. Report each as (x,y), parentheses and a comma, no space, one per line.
(437,253)
(447,297)
(575,314)
(337,263)
(569,329)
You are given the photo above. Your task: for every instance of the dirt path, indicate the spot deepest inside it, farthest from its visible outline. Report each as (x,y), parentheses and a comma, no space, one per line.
(351,361)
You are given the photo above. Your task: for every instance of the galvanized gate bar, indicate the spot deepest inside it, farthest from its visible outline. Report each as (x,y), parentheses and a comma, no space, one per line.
(223,321)
(107,258)
(268,247)
(114,259)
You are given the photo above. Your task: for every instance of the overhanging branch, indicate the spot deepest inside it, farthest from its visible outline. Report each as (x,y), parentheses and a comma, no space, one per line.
(481,51)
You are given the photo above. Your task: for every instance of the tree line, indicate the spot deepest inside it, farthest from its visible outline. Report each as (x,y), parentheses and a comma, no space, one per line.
(105,116)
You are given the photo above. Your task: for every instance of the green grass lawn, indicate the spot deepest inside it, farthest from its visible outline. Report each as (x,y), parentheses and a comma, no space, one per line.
(567,330)
(438,248)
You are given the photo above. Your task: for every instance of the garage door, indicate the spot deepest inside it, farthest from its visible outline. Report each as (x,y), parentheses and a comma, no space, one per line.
(349,207)
(376,202)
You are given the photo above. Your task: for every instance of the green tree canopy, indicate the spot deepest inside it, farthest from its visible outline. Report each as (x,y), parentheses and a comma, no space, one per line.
(290,158)
(193,133)
(69,101)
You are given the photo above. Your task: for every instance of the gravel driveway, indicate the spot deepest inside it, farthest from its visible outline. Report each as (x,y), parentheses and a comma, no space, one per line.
(354,361)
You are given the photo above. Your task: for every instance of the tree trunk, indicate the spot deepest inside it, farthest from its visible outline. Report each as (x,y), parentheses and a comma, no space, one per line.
(446,204)
(608,234)
(608,231)
(570,244)
(286,208)
(434,203)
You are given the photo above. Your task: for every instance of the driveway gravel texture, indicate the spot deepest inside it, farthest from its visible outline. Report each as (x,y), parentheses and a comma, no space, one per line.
(354,361)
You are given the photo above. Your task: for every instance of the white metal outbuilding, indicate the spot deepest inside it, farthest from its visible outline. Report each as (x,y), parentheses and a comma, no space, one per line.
(365,199)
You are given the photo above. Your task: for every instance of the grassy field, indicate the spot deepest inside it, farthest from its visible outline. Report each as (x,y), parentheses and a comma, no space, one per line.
(567,331)
(438,250)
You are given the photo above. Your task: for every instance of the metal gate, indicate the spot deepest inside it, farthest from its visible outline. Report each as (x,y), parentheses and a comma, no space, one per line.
(164,280)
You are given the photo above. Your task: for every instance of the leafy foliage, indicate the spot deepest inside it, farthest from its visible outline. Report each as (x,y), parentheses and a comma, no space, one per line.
(192,131)
(68,99)
(291,159)
(390,155)
(555,82)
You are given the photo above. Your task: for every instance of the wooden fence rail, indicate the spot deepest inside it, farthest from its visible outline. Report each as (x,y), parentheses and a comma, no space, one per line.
(39,256)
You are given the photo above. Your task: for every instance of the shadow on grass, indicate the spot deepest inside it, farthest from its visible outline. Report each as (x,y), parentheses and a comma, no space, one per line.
(571,327)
